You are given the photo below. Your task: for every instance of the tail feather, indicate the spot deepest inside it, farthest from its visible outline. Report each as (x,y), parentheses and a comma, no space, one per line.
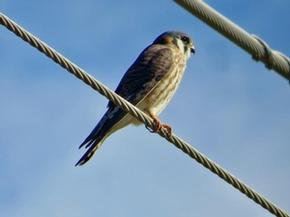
(112,121)
(91,138)
(93,145)
(94,140)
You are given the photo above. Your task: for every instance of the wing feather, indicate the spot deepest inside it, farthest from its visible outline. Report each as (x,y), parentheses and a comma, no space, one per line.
(145,73)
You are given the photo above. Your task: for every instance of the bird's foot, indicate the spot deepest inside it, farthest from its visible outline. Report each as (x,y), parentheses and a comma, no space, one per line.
(158,125)
(168,129)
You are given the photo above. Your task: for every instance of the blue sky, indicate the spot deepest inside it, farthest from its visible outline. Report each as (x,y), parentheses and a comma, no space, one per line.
(229,107)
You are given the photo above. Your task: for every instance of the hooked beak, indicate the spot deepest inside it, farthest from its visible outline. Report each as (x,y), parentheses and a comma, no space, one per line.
(192,50)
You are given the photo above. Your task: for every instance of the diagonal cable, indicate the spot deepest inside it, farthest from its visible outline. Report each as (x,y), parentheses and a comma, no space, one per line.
(128,107)
(259,49)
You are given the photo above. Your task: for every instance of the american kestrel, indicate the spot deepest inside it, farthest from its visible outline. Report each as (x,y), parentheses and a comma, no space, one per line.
(149,84)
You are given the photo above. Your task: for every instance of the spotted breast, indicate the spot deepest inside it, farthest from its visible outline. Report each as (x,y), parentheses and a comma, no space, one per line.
(161,95)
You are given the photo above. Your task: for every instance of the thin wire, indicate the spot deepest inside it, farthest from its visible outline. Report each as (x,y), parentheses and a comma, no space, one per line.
(128,107)
(250,43)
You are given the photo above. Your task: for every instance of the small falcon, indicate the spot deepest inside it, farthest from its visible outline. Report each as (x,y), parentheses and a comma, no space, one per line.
(149,84)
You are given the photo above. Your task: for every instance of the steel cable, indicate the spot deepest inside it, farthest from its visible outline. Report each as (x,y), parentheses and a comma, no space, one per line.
(259,50)
(128,107)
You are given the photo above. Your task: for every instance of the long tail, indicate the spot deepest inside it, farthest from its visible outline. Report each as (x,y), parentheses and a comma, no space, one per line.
(107,125)
(92,149)
(94,141)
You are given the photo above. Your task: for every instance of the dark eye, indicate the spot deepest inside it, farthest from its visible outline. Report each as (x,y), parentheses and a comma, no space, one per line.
(185,39)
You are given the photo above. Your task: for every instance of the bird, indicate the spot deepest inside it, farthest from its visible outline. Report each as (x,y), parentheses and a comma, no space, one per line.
(149,84)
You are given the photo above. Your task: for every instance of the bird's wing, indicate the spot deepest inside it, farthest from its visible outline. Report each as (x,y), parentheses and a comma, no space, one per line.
(145,73)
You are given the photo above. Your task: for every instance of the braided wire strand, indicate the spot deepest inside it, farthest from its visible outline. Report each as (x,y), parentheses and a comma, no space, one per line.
(253,45)
(128,107)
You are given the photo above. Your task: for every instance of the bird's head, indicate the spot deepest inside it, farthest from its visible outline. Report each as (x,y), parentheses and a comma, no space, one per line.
(179,39)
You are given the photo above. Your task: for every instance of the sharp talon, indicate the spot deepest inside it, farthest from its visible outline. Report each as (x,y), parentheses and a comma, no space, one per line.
(158,125)
(149,129)
(168,129)
(156,122)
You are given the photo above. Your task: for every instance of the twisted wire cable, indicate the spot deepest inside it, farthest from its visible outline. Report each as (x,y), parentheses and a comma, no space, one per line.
(128,107)
(259,50)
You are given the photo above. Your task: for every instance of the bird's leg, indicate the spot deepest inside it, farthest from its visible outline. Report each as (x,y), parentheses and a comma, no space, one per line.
(156,121)
(158,125)
(168,129)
